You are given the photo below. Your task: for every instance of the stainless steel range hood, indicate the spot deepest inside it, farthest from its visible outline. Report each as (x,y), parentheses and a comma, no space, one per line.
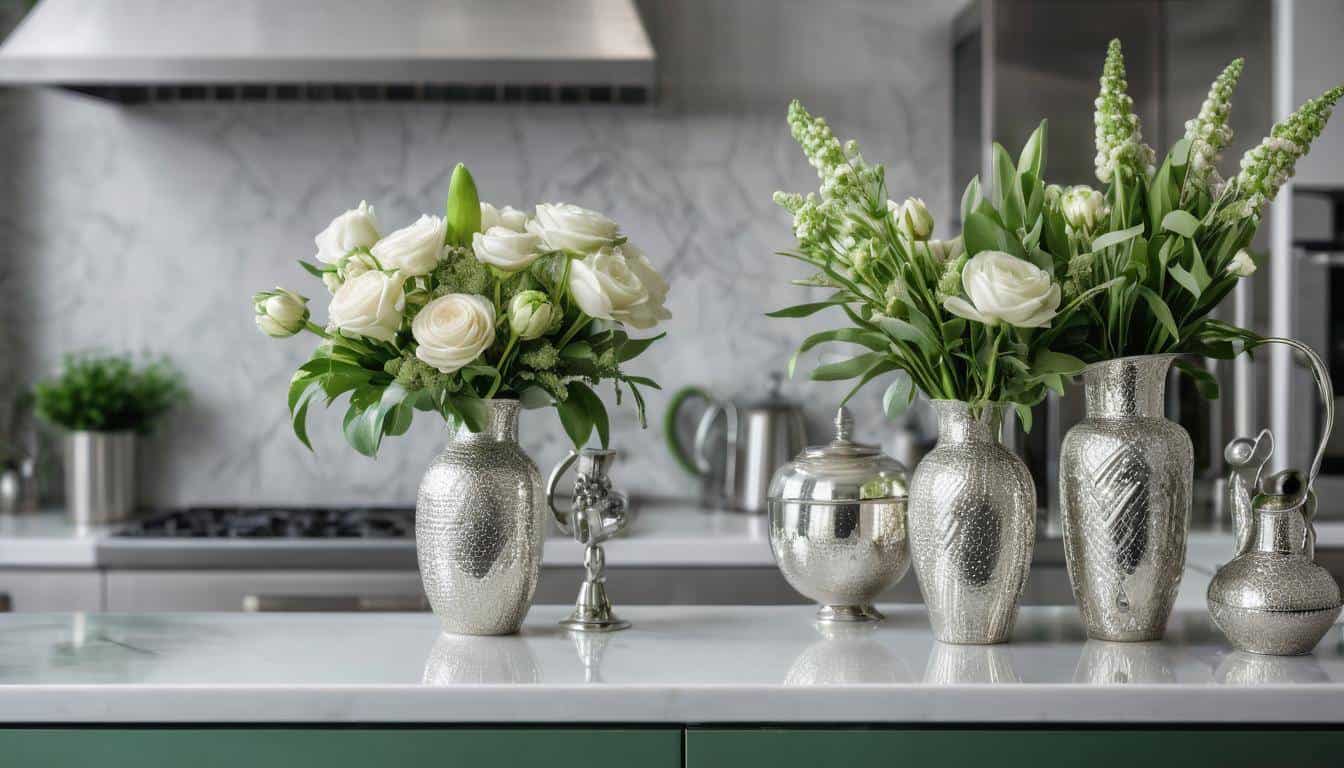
(463,50)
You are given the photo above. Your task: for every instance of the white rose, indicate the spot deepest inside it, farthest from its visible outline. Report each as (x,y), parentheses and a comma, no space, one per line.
(356,228)
(604,286)
(505,249)
(650,312)
(507,217)
(369,305)
(1005,288)
(453,330)
(1242,265)
(415,249)
(568,227)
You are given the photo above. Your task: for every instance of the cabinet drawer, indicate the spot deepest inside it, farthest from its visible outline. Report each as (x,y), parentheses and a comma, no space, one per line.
(42,590)
(340,748)
(954,747)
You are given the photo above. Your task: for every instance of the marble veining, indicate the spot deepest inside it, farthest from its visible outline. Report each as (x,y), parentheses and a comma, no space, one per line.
(676,664)
(149,227)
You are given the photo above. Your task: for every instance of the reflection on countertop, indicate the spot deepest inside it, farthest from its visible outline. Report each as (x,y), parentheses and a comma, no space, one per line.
(677,664)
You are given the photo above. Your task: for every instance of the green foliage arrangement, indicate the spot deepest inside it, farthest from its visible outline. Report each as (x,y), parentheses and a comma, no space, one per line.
(107,393)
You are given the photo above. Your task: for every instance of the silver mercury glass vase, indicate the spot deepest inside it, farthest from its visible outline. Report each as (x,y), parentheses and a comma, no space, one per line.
(479,526)
(1125,477)
(972,526)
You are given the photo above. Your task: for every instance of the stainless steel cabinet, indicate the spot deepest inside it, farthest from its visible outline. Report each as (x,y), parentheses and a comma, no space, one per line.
(44,590)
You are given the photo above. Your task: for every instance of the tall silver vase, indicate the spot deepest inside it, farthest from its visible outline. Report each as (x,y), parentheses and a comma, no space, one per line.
(479,525)
(972,525)
(1125,476)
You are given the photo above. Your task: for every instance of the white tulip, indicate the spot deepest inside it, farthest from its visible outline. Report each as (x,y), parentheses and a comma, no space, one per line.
(507,217)
(1242,265)
(369,305)
(531,314)
(453,330)
(605,286)
(913,218)
(1083,207)
(415,249)
(563,226)
(943,251)
(356,228)
(505,249)
(1004,288)
(280,313)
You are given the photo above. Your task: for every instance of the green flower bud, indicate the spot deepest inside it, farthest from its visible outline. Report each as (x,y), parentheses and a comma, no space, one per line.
(530,314)
(280,313)
(914,219)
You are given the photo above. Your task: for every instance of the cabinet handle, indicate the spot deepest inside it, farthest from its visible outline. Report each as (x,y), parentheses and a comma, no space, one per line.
(6,603)
(334,603)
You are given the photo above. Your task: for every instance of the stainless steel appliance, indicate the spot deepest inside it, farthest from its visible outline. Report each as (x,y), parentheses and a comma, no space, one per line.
(738,448)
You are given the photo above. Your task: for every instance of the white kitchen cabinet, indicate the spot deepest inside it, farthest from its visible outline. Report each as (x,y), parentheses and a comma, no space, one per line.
(45,590)
(220,590)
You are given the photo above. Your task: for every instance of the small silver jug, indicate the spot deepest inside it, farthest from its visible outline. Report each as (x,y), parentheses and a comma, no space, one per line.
(596,514)
(1273,598)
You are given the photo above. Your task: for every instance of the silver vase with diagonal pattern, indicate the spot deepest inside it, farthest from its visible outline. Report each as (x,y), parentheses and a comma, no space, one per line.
(1125,477)
(972,526)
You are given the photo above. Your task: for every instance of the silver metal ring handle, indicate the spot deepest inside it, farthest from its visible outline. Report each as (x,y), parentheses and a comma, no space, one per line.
(552,482)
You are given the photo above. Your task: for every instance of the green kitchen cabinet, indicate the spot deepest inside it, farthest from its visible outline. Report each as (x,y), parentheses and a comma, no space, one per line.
(228,747)
(1004,748)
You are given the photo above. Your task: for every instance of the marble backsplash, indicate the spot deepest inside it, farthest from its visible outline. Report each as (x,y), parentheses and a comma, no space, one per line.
(147,228)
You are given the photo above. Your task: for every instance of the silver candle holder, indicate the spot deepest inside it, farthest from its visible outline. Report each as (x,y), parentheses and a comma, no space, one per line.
(595,514)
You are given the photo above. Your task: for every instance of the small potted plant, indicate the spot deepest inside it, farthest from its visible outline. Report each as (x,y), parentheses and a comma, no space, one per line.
(102,402)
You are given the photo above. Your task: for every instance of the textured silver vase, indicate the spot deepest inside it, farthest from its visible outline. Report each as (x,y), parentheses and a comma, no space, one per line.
(479,528)
(1125,476)
(972,524)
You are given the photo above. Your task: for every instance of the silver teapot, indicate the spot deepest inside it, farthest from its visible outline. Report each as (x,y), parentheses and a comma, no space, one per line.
(1273,598)
(596,514)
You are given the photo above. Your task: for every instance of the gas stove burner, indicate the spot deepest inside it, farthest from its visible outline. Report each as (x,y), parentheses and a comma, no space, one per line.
(276,523)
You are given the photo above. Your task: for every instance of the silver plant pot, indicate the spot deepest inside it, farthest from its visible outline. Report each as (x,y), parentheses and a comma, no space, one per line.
(972,525)
(1125,477)
(479,525)
(99,476)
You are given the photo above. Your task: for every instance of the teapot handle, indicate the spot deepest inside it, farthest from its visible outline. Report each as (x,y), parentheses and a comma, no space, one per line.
(691,462)
(1321,373)
(553,482)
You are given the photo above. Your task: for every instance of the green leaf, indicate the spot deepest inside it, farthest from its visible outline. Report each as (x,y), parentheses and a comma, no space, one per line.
(1032,159)
(578,350)
(632,348)
(1159,195)
(315,270)
(472,410)
(574,416)
(900,393)
(463,208)
(1180,222)
(1205,382)
(1023,416)
(970,198)
(594,410)
(803,310)
(855,366)
(1161,311)
(1185,279)
(875,370)
(399,420)
(1197,269)
(982,233)
(534,397)
(298,410)
(1111,239)
(874,341)
(1007,192)
(1048,361)
(911,333)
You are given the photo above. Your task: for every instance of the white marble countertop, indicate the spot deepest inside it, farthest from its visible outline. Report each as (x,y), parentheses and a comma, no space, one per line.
(676,665)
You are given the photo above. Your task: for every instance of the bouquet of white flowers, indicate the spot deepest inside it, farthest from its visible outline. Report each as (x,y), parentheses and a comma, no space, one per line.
(484,303)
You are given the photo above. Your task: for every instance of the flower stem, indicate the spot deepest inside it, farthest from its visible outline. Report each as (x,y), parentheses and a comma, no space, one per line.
(990,369)
(314,328)
(579,322)
(503,361)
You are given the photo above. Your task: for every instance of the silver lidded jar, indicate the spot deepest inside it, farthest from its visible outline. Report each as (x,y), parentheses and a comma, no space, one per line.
(837,524)
(479,527)
(972,526)
(1125,480)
